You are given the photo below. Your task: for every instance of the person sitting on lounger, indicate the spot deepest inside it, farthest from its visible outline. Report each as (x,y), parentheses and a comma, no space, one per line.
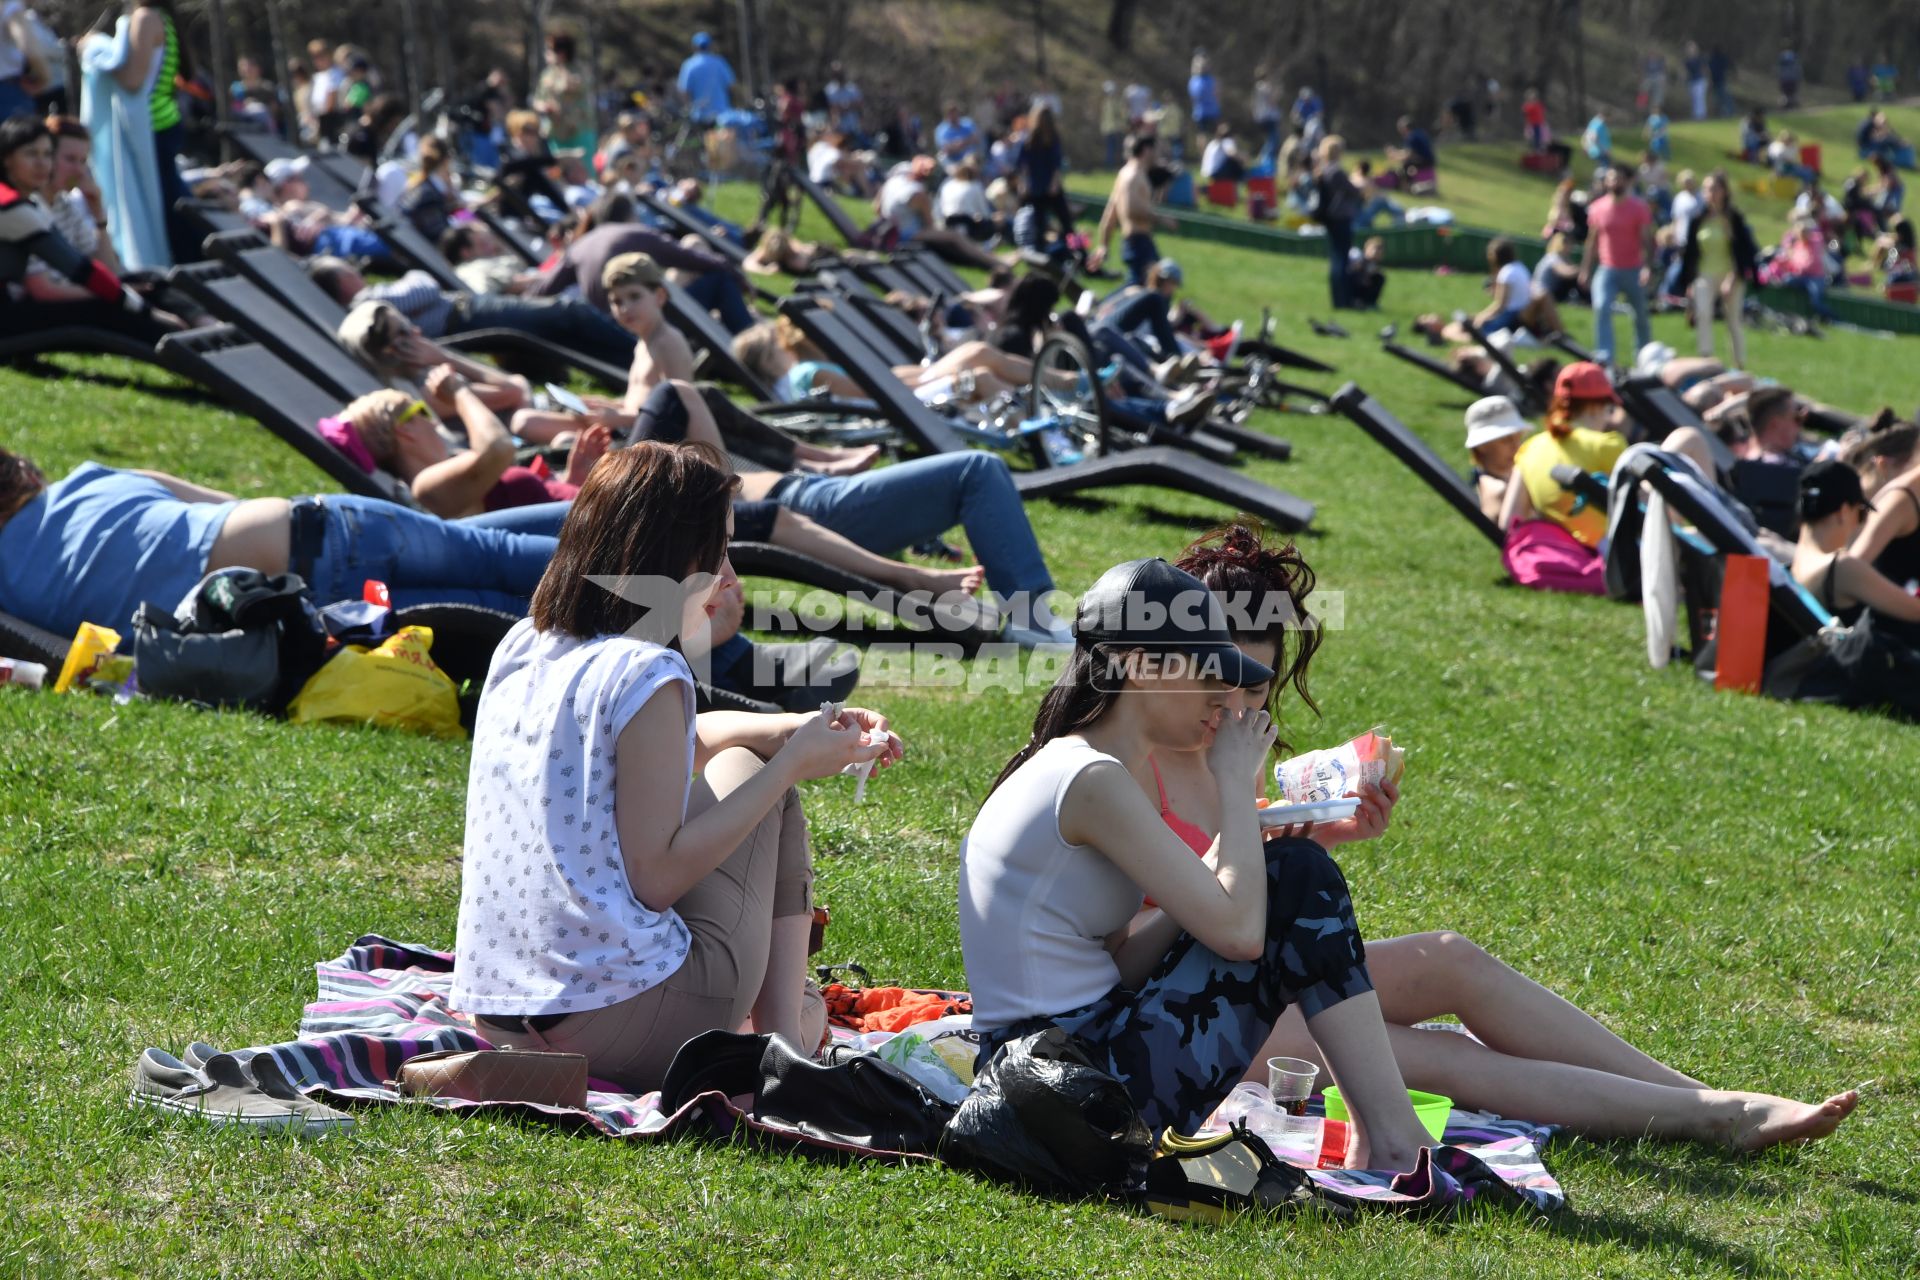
(1833,509)
(610,229)
(701,889)
(45,282)
(483,264)
(1532,1054)
(440,313)
(433,193)
(906,203)
(1886,453)
(780,252)
(1580,432)
(281,205)
(393,348)
(972,373)
(95,546)
(1495,428)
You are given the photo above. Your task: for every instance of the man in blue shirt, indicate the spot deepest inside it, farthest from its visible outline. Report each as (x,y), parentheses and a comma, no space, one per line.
(956,137)
(706,81)
(1414,157)
(1203,97)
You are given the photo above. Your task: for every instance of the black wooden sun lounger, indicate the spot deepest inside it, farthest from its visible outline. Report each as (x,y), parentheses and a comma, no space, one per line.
(686,224)
(259,146)
(1438,368)
(1402,442)
(1533,397)
(1157,466)
(241,302)
(211,218)
(841,221)
(22,640)
(409,245)
(282,276)
(1700,506)
(1770,489)
(264,387)
(79,340)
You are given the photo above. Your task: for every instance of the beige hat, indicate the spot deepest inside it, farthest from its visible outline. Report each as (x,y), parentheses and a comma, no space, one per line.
(1493,418)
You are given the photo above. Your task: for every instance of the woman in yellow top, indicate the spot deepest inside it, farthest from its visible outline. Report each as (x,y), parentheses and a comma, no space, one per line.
(1719,259)
(1578,433)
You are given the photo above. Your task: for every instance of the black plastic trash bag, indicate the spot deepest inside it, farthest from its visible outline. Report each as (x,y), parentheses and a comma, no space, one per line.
(1042,1115)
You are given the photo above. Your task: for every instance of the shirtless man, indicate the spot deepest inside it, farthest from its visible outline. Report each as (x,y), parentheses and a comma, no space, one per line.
(1130,210)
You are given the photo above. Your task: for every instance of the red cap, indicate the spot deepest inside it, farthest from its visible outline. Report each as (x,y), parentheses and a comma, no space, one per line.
(1584,380)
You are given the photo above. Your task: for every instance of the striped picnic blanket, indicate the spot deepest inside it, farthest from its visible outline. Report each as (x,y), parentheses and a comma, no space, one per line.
(382,1002)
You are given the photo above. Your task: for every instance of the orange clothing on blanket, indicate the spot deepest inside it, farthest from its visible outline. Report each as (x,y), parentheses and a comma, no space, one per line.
(889,1008)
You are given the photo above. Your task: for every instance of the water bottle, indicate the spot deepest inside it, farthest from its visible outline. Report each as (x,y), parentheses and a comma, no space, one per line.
(28,675)
(1060,450)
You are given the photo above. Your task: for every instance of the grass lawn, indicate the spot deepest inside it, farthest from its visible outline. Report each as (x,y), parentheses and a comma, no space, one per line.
(1730,883)
(1484,186)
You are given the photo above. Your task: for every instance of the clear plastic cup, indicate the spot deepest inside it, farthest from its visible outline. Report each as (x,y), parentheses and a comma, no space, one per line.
(1290,1081)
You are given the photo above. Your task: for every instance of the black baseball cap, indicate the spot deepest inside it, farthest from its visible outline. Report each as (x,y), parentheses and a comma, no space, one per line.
(1827,486)
(1149,604)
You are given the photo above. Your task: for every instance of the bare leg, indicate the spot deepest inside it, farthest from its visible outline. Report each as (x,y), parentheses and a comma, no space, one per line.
(1591,1102)
(954,240)
(540,427)
(796,532)
(1353,1041)
(1691,442)
(1424,975)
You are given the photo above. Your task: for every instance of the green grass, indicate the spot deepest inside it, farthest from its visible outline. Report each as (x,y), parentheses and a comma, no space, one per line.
(1731,883)
(1484,186)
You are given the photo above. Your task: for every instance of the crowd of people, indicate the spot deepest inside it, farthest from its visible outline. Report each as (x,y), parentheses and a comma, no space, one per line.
(636,872)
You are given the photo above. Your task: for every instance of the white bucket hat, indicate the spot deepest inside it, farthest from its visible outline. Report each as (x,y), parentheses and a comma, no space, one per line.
(1493,418)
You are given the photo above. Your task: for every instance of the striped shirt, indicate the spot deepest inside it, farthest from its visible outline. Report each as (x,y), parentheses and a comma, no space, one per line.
(417,296)
(164,103)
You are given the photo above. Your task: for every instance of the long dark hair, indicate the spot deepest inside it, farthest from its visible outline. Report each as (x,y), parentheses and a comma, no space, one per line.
(20,483)
(1075,702)
(1265,590)
(652,511)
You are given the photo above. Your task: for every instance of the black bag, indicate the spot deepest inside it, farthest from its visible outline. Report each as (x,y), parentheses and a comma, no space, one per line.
(1042,1115)
(239,639)
(863,1105)
(1858,666)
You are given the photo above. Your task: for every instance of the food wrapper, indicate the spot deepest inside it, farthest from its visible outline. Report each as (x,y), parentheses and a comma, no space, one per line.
(1370,758)
(92,645)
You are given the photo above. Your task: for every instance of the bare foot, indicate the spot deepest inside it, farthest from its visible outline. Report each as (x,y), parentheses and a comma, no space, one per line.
(1762,1121)
(847,462)
(941,581)
(1362,1154)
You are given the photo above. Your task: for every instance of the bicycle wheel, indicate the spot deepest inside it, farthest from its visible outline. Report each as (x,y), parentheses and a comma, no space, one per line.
(1066,387)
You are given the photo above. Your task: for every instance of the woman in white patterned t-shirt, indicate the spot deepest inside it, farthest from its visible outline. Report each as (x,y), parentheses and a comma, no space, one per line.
(613,904)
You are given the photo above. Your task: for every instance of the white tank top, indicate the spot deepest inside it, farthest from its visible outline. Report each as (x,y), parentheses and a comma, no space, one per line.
(1035,911)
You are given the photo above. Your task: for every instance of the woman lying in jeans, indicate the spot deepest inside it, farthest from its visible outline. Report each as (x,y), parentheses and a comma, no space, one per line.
(609,906)
(66,548)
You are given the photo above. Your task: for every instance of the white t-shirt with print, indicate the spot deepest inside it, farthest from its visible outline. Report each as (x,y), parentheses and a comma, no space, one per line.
(548,921)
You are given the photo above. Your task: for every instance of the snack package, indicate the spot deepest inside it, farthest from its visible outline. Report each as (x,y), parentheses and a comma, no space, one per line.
(92,644)
(1330,774)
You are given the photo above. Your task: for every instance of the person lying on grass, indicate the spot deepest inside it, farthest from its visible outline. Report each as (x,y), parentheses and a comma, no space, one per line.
(389,431)
(1066,845)
(609,906)
(1532,1055)
(95,546)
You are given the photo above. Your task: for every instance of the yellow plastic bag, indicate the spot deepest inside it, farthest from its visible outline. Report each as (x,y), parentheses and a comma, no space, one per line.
(395,686)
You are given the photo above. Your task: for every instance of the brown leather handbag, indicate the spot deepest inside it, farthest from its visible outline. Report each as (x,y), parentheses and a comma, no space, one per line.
(497,1075)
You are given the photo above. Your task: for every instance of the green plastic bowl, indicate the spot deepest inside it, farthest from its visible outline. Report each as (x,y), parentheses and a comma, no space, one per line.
(1432,1109)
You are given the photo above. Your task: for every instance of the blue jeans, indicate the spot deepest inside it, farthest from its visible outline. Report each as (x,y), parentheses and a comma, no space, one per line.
(14,98)
(561,321)
(719,292)
(1138,252)
(1339,245)
(895,507)
(1372,209)
(542,519)
(1618,282)
(422,559)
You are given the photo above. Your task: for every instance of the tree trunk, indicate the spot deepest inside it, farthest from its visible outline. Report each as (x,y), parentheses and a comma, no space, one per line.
(1120,24)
